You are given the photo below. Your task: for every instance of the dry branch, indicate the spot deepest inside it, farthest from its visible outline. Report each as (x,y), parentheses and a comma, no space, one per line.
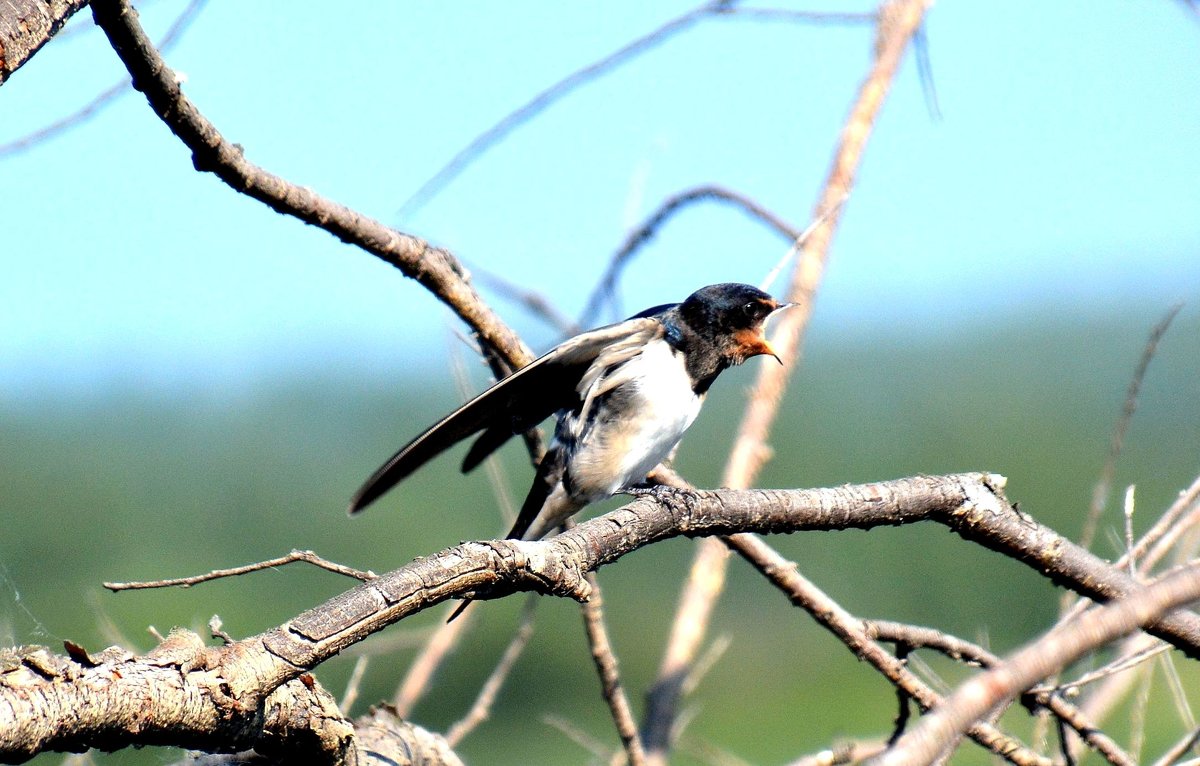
(223,688)
(938,732)
(898,20)
(27,25)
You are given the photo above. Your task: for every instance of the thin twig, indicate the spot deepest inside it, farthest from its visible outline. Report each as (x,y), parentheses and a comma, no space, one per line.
(1104,484)
(307,557)
(1120,665)
(522,114)
(354,683)
(896,25)
(1065,713)
(425,664)
(93,107)
(830,18)
(535,302)
(672,205)
(487,693)
(1179,749)
(1178,695)
(576,735)
(848,629)
(610,680)
(845,753)
(938,732)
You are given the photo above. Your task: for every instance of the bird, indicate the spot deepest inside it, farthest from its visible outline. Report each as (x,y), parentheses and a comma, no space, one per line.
(623,396)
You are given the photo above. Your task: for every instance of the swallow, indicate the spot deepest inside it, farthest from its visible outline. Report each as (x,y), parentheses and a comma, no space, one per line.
(623,396)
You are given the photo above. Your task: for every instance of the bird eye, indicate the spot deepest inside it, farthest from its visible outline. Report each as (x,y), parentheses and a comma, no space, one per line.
(749,309)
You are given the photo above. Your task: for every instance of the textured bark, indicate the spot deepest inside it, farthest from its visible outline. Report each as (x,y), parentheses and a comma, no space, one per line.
(27,25)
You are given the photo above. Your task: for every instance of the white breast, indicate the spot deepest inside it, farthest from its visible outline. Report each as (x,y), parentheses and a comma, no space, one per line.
(659,405)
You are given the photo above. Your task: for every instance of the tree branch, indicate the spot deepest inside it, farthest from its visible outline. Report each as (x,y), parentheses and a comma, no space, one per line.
(938,732)
(27,25)
(223,688)
(898,20)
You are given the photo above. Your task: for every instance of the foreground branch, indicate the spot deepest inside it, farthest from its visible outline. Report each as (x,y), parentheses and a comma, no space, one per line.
(975,699)
(223,689)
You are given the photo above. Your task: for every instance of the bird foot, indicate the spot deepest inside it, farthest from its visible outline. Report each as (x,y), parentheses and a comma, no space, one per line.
(660,492)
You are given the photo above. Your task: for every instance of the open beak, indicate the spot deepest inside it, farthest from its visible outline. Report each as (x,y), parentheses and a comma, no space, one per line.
(765,344)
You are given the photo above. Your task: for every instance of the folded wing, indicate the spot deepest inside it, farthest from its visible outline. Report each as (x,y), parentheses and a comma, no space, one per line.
(511,406)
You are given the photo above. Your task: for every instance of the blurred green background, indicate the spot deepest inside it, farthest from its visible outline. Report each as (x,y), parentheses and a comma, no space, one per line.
(126,483)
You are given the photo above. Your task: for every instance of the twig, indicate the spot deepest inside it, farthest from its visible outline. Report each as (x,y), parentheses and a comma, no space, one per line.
(804,17)
(1066,714)
(354,683)
(610,680)
(1137,713)
(1178,695)
(897,23)
(848,629)
(606,287)
(93,107)
(939,731)
(522,114)
(432,655)
(1179,749)
(536,303)
(576,735)
(1104,484)
(787,257)
(434,268)
(848,752)
(307,557)
(1166,531)
(487,693)
(1120,665)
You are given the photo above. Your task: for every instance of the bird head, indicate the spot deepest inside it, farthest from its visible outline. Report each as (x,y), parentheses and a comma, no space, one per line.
(732,317)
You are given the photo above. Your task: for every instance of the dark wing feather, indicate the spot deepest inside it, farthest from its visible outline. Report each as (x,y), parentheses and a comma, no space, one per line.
(512,405)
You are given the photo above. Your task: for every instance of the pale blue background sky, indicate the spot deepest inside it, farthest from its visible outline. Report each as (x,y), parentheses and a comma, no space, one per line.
(1063,176)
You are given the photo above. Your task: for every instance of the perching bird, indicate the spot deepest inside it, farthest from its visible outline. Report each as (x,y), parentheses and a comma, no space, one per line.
(624,394)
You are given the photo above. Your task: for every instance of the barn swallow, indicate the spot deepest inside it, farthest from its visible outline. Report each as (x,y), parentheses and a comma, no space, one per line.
(624,395)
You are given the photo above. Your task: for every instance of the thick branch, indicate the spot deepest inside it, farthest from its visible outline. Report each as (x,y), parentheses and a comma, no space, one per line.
(246,671)
(436,269)
(27,25)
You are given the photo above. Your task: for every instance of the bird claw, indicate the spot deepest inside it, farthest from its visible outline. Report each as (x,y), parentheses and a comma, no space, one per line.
(656,491)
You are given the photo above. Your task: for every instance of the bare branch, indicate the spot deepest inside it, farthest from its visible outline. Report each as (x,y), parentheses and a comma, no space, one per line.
(917,637)
(432,655)
(220,689)
(522,114)
(1104,485)
(897,22)
(536,303)
(491,687)
(676,203)
(610,680)
(27,25)
(308,557)
(849,630)
(1179,749)
(939,731)
(434,268)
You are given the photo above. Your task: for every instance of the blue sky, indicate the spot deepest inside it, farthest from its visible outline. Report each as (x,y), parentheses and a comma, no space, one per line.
(1062,176)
